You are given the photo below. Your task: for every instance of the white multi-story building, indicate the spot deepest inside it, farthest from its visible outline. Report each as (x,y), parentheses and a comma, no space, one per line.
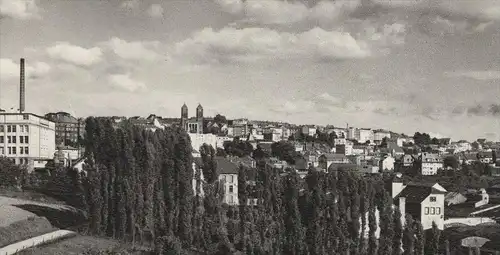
(27,139)
(365,134)
(197,140)
(228,174)
(380,134)
(431,163)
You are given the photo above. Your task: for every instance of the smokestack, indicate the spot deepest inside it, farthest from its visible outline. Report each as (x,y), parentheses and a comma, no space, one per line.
(22,88)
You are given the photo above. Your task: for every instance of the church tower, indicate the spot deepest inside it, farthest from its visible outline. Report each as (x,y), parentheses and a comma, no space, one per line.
(184,116)
(199,112)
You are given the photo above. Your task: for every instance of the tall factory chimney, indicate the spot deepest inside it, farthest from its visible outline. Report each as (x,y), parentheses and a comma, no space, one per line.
(22,88)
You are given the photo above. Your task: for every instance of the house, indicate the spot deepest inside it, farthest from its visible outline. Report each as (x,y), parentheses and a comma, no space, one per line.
(431,163)
(454,198)
(477,199)
(337,167)
(467,158)
(327,159)
(228,174)
(485,157)
(423,201)
(387,164)
(408,160)
(369,166)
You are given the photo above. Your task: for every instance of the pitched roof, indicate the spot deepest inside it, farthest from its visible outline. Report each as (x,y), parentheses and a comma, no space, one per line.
(224,166)
(415,193)
(337,167)
(334,156)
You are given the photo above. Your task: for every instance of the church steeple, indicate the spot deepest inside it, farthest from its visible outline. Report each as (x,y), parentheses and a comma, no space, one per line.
(199,112)
(184,111)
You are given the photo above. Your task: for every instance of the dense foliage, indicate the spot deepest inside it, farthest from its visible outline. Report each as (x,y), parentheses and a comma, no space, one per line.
(139,188)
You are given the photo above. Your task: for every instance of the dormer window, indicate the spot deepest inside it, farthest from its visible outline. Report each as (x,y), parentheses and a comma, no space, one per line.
(433,199)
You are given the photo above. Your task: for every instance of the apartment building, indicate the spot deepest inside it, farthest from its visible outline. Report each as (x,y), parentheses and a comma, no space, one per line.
(69,130)
(27,139)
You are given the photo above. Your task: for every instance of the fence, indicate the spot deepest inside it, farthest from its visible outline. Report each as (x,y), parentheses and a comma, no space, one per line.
(35,241)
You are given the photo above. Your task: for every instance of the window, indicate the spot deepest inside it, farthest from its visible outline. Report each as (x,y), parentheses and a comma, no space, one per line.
(14,128)
(26,150)
(14,139)
(433,199)
(2,151)
(9,139)
(231,178)
(1,139)
(21,129)
(26,140)
(21,139)
(433,210)
(2,128)
(26,128)
(231,200)
(231,189)
(14,151)
(426,210)
(438,210)
(21,150)
(26,117)
(9,128)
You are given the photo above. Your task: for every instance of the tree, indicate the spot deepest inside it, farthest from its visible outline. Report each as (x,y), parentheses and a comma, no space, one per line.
(450,161)
(408,236)
(398,232)
(259,153)
(294,231)
(220,119)
(10,173)
(432,240)
(386,226)
(419,239)
(284,150)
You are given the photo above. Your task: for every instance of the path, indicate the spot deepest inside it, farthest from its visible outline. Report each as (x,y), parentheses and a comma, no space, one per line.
(35,241)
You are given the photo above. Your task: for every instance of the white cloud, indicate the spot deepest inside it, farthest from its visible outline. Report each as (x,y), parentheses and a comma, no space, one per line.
(287,12)
(10,69)
(125,82)
(476,75)
(20,9)
(252,44)
(75,54)
(138,50)
(155,11)
(130,4)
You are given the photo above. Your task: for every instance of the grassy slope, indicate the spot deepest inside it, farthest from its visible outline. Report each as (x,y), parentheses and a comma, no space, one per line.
(76,245)
(21,230)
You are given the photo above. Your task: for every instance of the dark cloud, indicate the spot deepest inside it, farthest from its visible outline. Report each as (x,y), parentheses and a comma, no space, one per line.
(479,110)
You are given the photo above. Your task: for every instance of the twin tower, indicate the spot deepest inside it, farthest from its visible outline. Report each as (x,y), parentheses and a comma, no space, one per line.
(192,125)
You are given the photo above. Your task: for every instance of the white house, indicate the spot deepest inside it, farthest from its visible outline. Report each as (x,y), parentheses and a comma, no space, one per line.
(228,173)
(424,202)
(387,164)
(431,163)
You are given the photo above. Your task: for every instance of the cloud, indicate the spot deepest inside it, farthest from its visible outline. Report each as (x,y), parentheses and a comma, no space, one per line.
(137,50)
(476,75)
(252,44)
(478,9)
(288,12)
(155,11)
(75,54)
(130,4)
(19,9)
(10,70)
(125,82)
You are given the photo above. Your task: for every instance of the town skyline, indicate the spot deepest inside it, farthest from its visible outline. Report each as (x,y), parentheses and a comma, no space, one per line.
(431,68)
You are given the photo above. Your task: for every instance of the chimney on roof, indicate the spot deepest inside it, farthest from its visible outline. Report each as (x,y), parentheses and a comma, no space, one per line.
(22,89)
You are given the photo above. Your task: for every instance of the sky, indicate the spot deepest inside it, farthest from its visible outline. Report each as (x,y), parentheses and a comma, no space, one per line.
(422,65)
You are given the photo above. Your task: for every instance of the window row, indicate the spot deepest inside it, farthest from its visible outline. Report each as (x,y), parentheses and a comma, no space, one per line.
(228,178)
(432,210)
(13,139)
(13,150)
(13,128)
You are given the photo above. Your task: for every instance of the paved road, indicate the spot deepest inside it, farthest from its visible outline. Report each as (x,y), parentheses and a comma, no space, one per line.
(35,241)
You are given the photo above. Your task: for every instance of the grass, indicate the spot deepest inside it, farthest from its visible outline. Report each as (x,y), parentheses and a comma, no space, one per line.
(28,195)
(76,245)
(24,229)
(10,214)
